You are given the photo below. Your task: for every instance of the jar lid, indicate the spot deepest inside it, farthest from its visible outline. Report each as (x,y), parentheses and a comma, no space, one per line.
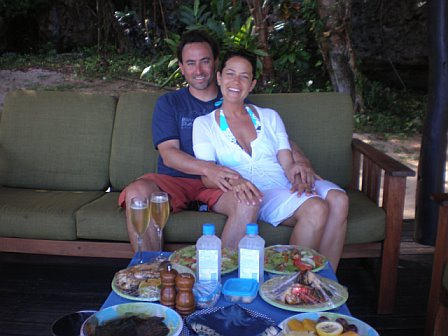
(240,287)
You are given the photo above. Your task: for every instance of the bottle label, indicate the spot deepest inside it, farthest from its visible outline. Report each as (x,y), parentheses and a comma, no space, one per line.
(208,265)
(249,264)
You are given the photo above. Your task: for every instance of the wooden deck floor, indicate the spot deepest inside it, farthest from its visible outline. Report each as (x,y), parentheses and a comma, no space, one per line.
(35,289)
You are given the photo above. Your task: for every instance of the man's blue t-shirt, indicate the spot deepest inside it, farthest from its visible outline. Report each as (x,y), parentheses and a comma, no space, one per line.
(173,119)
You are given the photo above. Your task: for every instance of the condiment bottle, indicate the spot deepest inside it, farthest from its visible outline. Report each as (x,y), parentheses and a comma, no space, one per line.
(185,298)
(168,291)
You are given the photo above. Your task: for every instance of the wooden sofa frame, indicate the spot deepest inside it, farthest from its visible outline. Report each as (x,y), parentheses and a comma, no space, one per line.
(368,167)
(437,310)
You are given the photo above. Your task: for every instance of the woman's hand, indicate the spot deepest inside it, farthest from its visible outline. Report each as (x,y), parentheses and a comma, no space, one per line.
(245,191)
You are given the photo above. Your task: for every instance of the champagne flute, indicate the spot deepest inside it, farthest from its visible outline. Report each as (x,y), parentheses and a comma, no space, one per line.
(159,210)
(140,217)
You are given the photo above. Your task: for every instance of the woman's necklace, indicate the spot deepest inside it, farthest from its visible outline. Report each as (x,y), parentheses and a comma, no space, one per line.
(224,126)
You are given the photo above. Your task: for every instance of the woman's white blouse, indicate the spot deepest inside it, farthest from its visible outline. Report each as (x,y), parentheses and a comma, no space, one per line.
(262,167)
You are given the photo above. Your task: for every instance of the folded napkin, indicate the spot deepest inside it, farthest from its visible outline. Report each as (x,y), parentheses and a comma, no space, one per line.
(231,320)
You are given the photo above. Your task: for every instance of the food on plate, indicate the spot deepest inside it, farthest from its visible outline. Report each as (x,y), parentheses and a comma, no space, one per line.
(305,325)
(323,326)
(329,328)
(132,325)
(290,259)
(187,257)
(306,289)
(142,280)
(303,292)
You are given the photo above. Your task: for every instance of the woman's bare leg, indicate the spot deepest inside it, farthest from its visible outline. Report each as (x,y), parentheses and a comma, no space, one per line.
(238,215)
(308,222)
(333,237)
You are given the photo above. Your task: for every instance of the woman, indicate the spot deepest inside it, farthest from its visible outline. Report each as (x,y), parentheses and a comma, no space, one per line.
(253,141)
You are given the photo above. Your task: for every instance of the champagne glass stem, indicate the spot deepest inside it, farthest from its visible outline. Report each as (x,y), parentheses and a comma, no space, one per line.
(139,251)
(159,234)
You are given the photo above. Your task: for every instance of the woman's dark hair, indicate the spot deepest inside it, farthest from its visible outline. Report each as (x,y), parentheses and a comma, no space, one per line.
(240,53)
(193,36)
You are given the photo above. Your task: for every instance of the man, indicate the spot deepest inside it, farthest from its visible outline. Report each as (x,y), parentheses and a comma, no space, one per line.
(178,170)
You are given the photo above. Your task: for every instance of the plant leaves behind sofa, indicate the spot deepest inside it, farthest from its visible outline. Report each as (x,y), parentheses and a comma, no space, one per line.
(70,142)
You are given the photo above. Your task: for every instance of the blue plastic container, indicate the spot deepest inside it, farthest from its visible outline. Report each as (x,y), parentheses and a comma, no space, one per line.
(240,290)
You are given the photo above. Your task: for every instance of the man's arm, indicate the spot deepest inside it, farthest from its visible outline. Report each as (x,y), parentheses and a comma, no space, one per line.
(175,158)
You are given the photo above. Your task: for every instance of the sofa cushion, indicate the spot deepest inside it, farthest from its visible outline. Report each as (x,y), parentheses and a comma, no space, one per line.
(41,214)
(102,219)
(57,140)
(132,153)
(321,124)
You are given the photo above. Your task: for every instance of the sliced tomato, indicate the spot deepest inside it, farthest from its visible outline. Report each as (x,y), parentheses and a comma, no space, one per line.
(318,259)
(301,265)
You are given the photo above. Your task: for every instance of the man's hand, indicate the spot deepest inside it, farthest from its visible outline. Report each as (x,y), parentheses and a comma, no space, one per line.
(221,176)
(245,191)
(300,186)
(306,172)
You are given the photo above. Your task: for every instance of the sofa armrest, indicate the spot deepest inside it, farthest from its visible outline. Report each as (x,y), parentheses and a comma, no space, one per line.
(440,261)
(374,163)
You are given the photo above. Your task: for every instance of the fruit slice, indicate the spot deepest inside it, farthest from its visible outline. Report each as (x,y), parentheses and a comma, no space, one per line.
(350,333)
(309,325)
(295,325)
(329,328)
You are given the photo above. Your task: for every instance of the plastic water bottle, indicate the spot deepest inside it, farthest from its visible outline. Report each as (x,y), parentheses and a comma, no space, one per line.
(251,255)
(208,255)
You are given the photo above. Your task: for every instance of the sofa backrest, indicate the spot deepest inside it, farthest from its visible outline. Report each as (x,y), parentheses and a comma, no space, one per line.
(320,123)
(132,153)
(322,126)
(56,140)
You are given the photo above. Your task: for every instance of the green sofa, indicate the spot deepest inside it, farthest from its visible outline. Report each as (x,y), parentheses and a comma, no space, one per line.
(65,156)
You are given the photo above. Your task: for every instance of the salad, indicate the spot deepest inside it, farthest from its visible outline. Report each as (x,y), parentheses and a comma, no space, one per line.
(187,257)
(285,259)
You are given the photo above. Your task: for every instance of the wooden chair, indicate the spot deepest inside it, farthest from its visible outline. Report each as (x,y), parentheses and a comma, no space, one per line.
(437,311)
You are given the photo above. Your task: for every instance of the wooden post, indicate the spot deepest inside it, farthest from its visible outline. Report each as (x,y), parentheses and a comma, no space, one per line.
(430,179)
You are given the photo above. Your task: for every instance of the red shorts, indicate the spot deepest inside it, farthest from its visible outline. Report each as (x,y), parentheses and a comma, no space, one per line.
(181,190)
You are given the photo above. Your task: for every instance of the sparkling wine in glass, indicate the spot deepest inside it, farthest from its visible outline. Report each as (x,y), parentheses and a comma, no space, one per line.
(159,210)
(140,217)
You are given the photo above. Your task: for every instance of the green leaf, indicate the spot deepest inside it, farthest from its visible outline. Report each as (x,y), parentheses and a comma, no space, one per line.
(172,63)
(196,8)
(145,72)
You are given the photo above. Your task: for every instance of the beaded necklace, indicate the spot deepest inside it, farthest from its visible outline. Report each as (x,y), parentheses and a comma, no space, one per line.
(224,126)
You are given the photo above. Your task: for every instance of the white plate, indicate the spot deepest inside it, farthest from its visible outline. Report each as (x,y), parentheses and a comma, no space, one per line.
(363,328)
(172,319)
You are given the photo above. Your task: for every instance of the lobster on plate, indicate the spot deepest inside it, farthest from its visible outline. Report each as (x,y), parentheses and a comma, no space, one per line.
(306,289)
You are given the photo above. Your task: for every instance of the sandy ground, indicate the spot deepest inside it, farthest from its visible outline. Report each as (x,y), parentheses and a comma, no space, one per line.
(404,150)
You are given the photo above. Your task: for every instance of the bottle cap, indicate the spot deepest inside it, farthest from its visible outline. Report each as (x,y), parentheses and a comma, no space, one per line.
(208,229)
(252,229)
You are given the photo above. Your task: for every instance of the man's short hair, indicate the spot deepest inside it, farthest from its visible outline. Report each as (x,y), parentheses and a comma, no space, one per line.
(243,53)
(193,36)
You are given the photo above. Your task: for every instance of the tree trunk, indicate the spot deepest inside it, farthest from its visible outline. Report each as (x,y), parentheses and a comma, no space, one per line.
(431,167)
(261,29)
(336,48)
